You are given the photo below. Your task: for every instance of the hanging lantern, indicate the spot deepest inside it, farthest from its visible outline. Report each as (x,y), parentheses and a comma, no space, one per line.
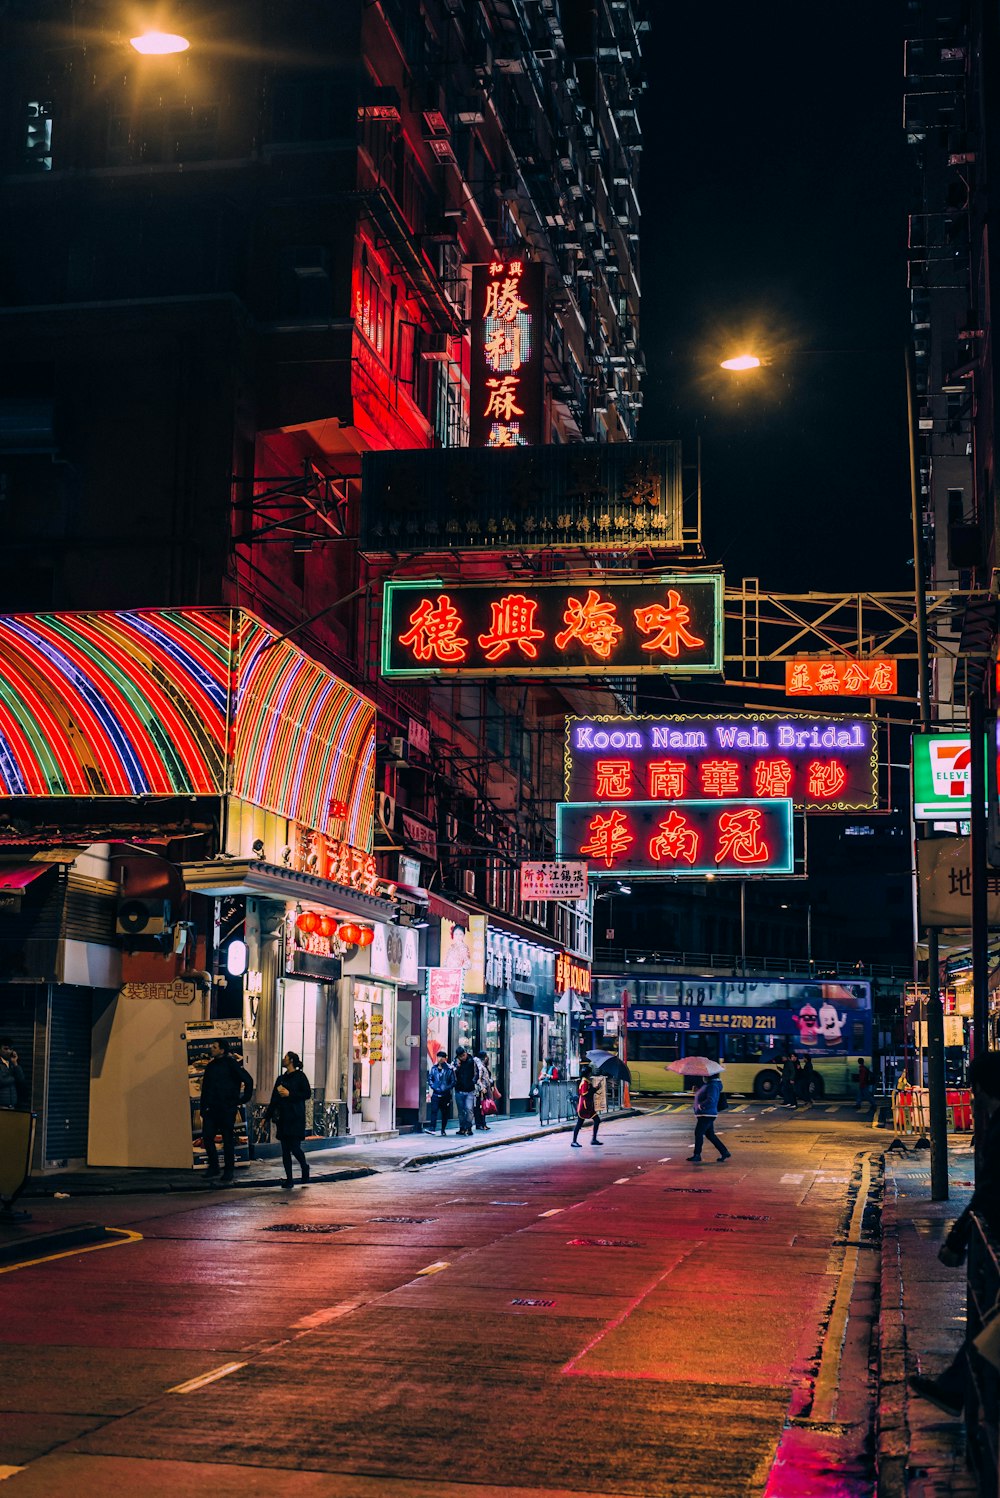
(350,934)
(366,936)
(307,921)
(327,926)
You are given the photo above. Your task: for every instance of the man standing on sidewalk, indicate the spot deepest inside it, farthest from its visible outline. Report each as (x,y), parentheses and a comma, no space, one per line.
(465,1090)
(226,1085)
(441,1081)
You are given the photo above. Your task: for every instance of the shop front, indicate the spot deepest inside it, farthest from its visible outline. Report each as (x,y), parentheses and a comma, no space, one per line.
(520,1002)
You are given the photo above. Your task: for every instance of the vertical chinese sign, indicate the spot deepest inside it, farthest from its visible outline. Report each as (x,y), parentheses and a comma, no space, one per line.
(508,339)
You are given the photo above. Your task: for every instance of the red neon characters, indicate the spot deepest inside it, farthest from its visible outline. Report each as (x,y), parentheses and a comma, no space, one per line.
(675,840)
(720,777)
(502,400)
(667,779)
(513,623)
(610,837)
(772,777)
(593,622)
(740,839)
(826,780)
(669,623)
(433,634)
(614,779)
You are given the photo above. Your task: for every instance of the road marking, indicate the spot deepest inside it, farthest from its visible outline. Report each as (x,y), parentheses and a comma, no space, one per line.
(331,1313)
(434,1268)
(205,1378)
(828,1377)
(571,1366)
(552,1212)
(791,1180)
(125,1236)
(9,1472)
(663,1159)
(622,1181)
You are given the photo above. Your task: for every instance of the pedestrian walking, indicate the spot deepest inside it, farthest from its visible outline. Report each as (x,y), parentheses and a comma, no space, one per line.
(788,1081)
(706,1109)
(441,1081)
(586,1108)
(807,1082)
(948,1389)
(13,1088)
(226,1086)
(465,1090)
(485,1088)
(864,1080)
(288,1109)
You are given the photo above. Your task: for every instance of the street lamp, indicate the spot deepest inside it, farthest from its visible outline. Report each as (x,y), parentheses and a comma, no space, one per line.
(159,43)
(742,361)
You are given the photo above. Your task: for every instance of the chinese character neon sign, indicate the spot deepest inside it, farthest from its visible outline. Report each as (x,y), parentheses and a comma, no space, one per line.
(825,763)
(729,837)
(506,368)
(840,677)
(670,624)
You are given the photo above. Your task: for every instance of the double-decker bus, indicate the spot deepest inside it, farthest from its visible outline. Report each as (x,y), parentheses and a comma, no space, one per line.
(748,1024)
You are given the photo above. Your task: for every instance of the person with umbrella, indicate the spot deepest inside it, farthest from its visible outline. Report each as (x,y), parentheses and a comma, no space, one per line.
(586,1108)
(706,1102)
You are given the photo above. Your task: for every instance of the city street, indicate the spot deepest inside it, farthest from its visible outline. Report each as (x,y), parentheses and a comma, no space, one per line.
(530,1319)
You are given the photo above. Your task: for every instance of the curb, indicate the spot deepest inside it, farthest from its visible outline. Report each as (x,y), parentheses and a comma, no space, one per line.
(413,1162)
(40,1245)
(196,1187)
(892,1435)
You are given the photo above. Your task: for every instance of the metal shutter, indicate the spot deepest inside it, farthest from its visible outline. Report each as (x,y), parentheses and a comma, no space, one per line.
(69,1075)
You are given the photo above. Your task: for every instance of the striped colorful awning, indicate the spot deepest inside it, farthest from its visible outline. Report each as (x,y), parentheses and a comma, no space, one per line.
(165,702)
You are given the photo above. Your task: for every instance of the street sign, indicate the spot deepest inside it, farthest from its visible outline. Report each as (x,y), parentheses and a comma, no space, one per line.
(554,881)
(823,762)
(670,625)
(944,884)
(686,839)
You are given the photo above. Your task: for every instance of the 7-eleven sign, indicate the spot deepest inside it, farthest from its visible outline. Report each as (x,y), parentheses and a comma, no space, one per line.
(941,776)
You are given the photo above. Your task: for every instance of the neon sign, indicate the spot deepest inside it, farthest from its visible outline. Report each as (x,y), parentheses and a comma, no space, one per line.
(506,369)
(668,625)
(820,763)
(732,837)
(838,677)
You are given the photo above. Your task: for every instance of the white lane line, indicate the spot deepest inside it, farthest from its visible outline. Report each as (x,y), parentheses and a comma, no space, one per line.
(329,1313)
(791,1180)
(552,1212)
(663,1159)
(205,1378)
(434,1268)
(622,1181)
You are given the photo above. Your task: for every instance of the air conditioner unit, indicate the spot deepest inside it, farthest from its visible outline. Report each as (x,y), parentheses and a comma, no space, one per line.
(141,917)
(385,810)
(469,882)
(399,750)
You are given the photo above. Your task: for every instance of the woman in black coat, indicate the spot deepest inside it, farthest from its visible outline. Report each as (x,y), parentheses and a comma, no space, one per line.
(288,1108)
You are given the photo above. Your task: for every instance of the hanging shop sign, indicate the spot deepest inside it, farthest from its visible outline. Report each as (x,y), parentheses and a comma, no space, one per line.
(572,975)
(944,884)
(612,495)
(394,954)
(444,988)
(553,881)
(942,776)
(840,677)
(670,625)
(508,350)
(331,858)
(725,838)
(821,763)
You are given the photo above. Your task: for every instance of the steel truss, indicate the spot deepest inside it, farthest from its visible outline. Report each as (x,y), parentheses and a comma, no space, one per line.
(283,502)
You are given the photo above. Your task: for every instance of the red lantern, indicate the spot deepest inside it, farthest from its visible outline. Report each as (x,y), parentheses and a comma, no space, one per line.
(327,925)
(350,934)
(307,921)
(366,936)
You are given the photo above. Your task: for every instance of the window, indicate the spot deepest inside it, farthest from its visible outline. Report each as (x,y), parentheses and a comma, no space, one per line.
(371,308)
(38,136)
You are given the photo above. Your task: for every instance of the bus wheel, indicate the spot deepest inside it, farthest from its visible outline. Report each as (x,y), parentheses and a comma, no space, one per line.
(766,1085)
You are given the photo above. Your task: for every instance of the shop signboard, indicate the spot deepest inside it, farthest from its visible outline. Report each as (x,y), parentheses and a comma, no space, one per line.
(670,625)
(463,949)
(519,973)
(508,353)
(728,838)
(332,858)
(572,975)
(394,954)
(444,988)
(822,762)
(554,881)
(839,676)
(944,884)
(176,990)
(604,496)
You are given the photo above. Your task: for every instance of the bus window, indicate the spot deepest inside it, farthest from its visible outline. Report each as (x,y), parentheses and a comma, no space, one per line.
(696,1044)
(748,1047)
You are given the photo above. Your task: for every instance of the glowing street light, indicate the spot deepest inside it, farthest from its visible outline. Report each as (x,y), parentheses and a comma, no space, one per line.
(742,361)
(159,43)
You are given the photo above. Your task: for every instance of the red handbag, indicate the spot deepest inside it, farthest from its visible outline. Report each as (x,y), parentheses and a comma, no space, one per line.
(488,1105)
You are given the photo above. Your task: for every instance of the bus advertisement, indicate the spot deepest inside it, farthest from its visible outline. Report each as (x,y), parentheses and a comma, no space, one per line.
(748,1025)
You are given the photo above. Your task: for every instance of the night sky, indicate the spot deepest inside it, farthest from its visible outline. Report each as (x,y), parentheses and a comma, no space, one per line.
(775,187)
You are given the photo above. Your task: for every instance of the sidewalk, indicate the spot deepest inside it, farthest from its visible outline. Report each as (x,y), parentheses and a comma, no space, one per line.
(921,1452)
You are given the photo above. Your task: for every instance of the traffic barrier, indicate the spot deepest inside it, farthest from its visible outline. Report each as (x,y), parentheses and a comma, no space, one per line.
(911,1112)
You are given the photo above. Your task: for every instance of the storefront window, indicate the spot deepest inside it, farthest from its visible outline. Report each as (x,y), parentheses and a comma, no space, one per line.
(467,1027)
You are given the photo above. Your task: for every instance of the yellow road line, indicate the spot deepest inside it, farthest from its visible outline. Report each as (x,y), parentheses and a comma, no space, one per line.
(435,1268)
(125,1236)
(827,1380)
(205,1378)
(9,1472)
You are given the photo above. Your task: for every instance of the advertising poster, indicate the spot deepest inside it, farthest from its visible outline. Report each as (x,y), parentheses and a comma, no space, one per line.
(198,1039)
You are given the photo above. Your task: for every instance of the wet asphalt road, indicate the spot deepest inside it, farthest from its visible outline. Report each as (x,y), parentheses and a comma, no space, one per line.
(532,1319)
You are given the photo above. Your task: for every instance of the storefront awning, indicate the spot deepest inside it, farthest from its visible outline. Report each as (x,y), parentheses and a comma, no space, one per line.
(18,876)
(240,876)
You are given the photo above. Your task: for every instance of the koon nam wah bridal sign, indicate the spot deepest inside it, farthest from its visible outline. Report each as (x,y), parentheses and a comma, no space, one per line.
(822,763)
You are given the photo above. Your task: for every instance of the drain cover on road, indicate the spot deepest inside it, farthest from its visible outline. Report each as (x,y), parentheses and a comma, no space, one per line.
(688,1190)
(508,1204)
(603,1243)
(307,1227)
(742,1217)
(525,1301)
(402,1219)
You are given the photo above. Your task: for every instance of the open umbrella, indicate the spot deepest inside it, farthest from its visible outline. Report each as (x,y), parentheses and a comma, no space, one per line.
(695,1066)
(605,1064)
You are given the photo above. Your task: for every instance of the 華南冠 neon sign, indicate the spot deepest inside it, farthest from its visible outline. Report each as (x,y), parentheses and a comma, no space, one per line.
(671,624)
(728,837)
(821,763)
